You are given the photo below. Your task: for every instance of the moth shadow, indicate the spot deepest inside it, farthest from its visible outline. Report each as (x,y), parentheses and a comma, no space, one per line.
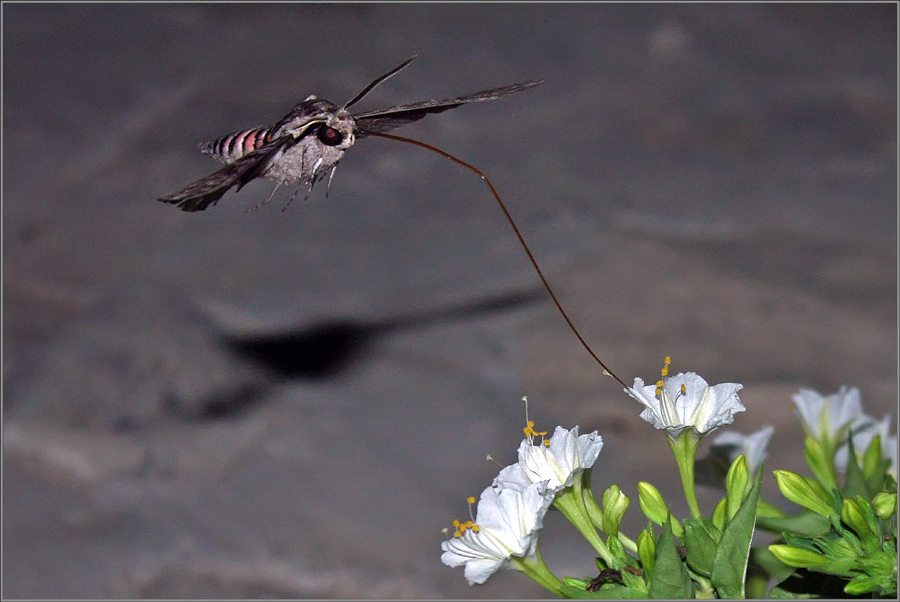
(329,349)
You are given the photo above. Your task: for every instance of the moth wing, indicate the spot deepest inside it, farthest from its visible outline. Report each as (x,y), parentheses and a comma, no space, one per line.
(207,191)
(382,120)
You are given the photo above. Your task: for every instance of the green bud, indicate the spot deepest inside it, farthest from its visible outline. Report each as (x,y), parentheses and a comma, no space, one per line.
(615,503)
(720,514)
(805,492)
(736,484)
(652,503)
(646,550)
(616,548)
(854,515)
(796,557)
(863,584)
(885,505)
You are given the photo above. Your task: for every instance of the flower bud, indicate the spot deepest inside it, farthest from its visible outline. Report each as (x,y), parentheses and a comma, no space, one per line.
(652,503)
(736,484)
(804,492)
(797,557)
(853,514)
(885,504)
(646,550)
(615,503)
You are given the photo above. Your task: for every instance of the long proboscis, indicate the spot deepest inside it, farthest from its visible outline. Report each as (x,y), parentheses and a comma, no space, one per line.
(521,241)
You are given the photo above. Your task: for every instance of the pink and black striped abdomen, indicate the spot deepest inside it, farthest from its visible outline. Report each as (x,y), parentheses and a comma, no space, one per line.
(232,147)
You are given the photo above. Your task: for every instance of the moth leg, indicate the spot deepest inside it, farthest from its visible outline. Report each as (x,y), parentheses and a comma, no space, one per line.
(313,178)
(288,204)
(330,177)
(269,198)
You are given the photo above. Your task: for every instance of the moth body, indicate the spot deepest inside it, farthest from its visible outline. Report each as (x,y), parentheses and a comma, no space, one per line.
(308,142)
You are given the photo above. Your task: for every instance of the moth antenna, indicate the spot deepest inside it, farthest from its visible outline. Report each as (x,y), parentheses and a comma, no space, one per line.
(269,198)
(518,235)
(377,81)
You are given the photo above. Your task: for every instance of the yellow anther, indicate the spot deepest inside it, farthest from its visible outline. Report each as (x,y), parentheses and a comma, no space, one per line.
(476,528)
(668,360)
(470,499)
(660,384)
(683,390)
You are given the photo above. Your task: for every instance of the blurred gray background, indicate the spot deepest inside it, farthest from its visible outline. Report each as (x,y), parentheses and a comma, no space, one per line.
(294,404)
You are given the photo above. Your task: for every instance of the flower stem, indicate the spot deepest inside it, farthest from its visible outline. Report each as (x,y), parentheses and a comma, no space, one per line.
(571,503)
(684,446)
(535,569)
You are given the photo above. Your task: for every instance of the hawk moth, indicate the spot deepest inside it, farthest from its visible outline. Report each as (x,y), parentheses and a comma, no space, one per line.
(308,142)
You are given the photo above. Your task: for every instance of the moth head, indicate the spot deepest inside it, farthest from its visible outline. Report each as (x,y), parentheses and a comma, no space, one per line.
(337,130)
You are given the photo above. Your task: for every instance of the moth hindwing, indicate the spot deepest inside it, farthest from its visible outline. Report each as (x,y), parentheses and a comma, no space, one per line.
(308,142)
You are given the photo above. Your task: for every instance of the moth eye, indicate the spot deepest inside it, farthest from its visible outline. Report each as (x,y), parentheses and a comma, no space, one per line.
(330,136)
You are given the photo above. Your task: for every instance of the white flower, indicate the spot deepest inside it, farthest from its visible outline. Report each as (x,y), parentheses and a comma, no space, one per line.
(686,401)
(826,416)
(506,524)
(862,438)
(567,456)
(752,446)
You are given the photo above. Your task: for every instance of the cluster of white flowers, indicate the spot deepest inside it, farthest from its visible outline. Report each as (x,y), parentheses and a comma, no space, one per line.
(833,415)
(511,511)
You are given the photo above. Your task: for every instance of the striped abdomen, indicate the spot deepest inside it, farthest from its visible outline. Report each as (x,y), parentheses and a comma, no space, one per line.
(232,147)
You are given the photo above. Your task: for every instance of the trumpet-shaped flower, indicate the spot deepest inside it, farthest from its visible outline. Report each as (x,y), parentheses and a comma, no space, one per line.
(558,463)
(752,446)
(686,401)
(506,525)
(826,417)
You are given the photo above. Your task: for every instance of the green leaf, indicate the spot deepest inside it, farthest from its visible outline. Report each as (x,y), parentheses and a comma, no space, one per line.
(670,577)
(805,523)
(700,539)
(733,552)
(872,457)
